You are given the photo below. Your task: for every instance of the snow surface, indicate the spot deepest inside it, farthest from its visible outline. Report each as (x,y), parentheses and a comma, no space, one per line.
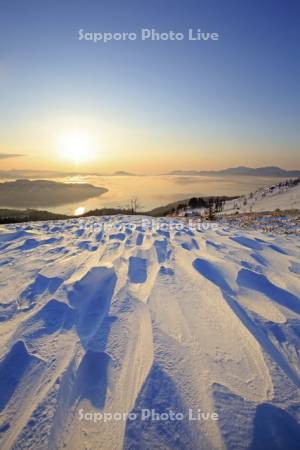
(130,317)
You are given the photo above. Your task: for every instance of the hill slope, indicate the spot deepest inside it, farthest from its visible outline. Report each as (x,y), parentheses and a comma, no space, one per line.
(284,196)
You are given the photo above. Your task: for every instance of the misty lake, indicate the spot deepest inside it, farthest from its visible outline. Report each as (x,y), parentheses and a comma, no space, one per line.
(153,191)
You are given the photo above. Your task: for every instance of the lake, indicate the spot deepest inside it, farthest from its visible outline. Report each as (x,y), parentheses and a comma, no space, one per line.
(158,190)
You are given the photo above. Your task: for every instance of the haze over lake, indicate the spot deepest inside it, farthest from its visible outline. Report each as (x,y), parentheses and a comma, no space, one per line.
(153,191)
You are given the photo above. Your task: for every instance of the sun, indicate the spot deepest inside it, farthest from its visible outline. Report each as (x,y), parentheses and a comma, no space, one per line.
(76,146)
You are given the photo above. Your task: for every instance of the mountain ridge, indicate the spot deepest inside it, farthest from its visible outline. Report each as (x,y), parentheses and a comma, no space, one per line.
(271,171)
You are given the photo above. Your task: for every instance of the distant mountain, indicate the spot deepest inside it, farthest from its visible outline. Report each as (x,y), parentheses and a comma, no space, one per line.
(123,173)
(241,171)
(28,194)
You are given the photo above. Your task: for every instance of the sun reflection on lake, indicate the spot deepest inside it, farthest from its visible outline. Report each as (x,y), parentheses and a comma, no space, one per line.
(79,211)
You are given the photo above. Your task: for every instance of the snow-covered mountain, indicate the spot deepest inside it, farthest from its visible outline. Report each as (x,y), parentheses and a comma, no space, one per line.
(110,316)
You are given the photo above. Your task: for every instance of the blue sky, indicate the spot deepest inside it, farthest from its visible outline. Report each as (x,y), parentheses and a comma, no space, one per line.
(233,100)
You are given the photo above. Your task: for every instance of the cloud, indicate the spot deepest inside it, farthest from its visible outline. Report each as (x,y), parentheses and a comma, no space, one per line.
(10,155)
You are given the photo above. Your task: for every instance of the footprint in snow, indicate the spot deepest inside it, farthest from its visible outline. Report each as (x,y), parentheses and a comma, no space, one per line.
(137,270)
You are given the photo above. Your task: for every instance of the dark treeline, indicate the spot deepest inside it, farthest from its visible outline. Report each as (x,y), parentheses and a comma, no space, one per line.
(216,202)
(111,212)
(28,215)
(211,204)
(288,183)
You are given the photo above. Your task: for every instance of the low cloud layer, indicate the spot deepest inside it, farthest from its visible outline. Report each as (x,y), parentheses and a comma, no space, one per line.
(10,155)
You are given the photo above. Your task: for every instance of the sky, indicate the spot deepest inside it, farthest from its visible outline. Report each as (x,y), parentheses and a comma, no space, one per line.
(149,106)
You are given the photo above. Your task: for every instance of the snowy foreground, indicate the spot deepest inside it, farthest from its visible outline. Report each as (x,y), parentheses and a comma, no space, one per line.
(102,319)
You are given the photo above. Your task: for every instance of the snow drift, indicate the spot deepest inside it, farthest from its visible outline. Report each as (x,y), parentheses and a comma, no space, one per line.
(121,319)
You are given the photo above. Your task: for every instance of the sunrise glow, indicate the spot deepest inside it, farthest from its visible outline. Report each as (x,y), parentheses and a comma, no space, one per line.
(76,146)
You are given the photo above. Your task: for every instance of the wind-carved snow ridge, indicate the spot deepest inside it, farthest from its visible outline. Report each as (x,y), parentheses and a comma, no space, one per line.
(105,317)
